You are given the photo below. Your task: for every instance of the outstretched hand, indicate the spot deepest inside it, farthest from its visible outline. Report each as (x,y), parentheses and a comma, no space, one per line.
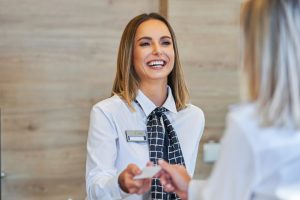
(174,178)
(130,185)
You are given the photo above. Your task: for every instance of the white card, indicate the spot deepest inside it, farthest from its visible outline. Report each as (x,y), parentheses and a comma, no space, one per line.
(148,172)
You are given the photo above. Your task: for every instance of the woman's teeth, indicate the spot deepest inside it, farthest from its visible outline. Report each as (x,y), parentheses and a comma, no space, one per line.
(156,63)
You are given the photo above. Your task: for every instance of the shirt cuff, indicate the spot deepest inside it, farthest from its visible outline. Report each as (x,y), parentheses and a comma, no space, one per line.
(114,188)
(195,189)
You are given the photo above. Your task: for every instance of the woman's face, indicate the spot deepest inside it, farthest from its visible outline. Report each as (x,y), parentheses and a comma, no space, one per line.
(153,53)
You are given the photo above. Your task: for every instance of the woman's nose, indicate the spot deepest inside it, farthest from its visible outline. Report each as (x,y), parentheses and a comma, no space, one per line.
(157,49)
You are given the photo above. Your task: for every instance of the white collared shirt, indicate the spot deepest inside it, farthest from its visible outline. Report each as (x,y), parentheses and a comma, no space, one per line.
(109,153)
(257,163)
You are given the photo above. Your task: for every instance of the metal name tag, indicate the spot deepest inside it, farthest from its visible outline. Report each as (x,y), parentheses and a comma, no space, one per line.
(135,136)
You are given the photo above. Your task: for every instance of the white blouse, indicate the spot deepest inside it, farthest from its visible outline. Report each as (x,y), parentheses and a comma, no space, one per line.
(255,163)
(109,153)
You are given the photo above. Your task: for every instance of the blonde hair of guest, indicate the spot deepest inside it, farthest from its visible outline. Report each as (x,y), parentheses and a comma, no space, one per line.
(271,59)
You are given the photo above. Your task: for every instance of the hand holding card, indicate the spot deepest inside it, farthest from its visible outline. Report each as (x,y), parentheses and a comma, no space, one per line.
(148,172)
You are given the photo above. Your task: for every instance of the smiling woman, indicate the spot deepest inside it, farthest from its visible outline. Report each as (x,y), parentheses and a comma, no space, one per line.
(153,58)
(153,53)
(127,81)
(150,104)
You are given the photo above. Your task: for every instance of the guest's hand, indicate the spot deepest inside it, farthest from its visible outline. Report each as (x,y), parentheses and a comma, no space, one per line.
(174,178)
(129,185)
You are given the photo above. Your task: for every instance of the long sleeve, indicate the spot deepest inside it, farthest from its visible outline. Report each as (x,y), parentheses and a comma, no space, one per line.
(233,175)
(194,187)
(101,173)
(109,152)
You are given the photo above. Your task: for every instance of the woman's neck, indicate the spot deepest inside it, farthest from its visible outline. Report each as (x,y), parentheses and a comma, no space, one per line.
(157,93)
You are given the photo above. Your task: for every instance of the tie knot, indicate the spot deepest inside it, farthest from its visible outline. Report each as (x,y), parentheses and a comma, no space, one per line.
(158,111)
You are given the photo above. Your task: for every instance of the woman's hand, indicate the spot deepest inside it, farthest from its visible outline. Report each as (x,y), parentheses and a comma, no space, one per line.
(129,185)
(174,178)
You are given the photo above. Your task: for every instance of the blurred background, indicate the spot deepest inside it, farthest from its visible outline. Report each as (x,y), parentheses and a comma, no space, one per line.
(58,58)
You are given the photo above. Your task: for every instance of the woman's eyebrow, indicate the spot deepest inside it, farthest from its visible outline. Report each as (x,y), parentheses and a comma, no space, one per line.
(149,38)
(144,38)
(168,37)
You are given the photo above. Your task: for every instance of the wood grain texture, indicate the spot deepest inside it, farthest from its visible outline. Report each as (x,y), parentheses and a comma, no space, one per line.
(57,59)
(163,8)
(208,35)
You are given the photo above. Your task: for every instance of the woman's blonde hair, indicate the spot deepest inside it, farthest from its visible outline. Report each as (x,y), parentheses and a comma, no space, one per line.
(271,59)
(126,81)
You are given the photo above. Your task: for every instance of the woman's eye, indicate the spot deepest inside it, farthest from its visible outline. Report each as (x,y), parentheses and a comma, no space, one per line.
(143,44)
(166,43)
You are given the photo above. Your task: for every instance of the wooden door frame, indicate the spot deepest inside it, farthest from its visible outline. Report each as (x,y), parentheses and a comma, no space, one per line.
(163,8)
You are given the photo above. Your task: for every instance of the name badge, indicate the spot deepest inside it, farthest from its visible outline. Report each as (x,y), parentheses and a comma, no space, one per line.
(135,136)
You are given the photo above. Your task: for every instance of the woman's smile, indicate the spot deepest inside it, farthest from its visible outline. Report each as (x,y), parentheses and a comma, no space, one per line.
(153,52)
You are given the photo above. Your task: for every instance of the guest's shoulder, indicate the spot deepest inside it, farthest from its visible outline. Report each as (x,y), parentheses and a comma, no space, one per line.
(243,122)
(242,112)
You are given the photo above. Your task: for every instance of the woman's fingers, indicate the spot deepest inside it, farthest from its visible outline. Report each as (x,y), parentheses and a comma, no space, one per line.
(126,181)
(169,188)
(129,184)
(149,163)
(146,186)
(133,169)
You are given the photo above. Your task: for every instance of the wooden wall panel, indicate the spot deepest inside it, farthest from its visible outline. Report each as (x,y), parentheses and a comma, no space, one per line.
(208,34)
(57,59)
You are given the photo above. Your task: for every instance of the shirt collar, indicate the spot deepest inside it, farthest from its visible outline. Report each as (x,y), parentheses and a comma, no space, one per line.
(148,106)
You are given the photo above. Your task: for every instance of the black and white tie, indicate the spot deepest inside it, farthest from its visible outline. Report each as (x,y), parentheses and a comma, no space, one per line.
(163,144)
